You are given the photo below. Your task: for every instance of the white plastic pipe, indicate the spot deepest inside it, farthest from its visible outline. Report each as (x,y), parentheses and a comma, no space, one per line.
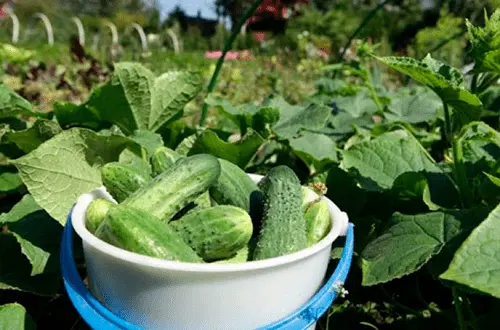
(48,27)
(142,35)
(81,30)
(175,40)
(16,26)
(114,31)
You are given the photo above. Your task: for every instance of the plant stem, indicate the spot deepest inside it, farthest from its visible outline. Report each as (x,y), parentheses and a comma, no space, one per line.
(447,122)
(458,308)
(365,21)
(473,87)
(227,47)
(458,164)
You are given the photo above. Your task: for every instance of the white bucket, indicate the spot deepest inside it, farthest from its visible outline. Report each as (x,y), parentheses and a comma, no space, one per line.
(159,294)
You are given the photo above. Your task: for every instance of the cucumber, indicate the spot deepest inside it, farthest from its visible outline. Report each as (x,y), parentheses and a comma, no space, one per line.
(175,188)
(162,159)
(203,201)
(240,257)
(217,232)
(138,231)
(318,222)
(308,197)
(283,226)
(96,212)
(234,186)
(122,180)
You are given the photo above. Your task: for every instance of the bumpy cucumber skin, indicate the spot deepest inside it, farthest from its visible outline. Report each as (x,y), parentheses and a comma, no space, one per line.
(96,213)
(240,257)
(283,226)
(318,222)
(217,232)
(138,231)
(162,159)
(122,180)
(175,188)
(234,186)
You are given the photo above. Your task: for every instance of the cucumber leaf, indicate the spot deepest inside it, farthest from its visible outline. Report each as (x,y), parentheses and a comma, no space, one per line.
(36,232)
(477,262)
(410,242)
(316,150)
(12,105)
(446,81)
(485,43)
(66,166)
(30,138)
(239,153)
(415,106)
(135,99)
(14,317)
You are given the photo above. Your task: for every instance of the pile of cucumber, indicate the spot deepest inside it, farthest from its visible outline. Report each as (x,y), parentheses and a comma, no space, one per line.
(204,209)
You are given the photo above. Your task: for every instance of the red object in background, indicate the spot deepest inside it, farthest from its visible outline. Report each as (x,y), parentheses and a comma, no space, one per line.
(276,9)
(260,36)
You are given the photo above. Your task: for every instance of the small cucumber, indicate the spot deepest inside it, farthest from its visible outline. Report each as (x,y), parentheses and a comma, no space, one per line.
(217,232)
(138,231)
(234,186)
(308,197)
(318,222)
(175,188)
(162,159)
(240,257)
(122,180)
(96,212)
(283,226)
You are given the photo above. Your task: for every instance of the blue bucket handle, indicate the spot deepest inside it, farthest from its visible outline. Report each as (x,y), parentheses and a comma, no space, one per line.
(99,317)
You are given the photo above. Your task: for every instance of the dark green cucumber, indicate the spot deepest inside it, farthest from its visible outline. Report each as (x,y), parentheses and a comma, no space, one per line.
(216,232)
(162,159)
(175,188)
(240,257)
(318,221)
(138,231)
(122,180)
(283,226)
(96,212)
(234,186)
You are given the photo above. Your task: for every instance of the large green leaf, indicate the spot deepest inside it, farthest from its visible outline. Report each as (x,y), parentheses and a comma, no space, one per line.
(246,115)
(148,140)
(410,242)
(444,80)
(239,153)
(10,180)
(11,104)
(293,119)
(380,161)
(14,317)
(315,149)
(135,100)
(358,105)
(415,106)
(36,232)
(485,42)
(480,144)
(71,115)
(15,271)
(30,138)
(477,262)
(66,166)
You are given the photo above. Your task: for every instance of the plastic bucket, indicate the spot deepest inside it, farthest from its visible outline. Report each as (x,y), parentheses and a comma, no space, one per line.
(132,291)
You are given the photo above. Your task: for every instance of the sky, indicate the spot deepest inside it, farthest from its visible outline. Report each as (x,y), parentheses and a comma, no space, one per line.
(191,7)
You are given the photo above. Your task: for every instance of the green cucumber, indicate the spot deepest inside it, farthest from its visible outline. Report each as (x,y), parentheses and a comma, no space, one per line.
(162,159)
(318,222)
(122,180)
(202,201)
(240,257)
(138,231)
(216,232)
(234,186)
(283,226)
(175,188)
(308,197)
(96,212)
